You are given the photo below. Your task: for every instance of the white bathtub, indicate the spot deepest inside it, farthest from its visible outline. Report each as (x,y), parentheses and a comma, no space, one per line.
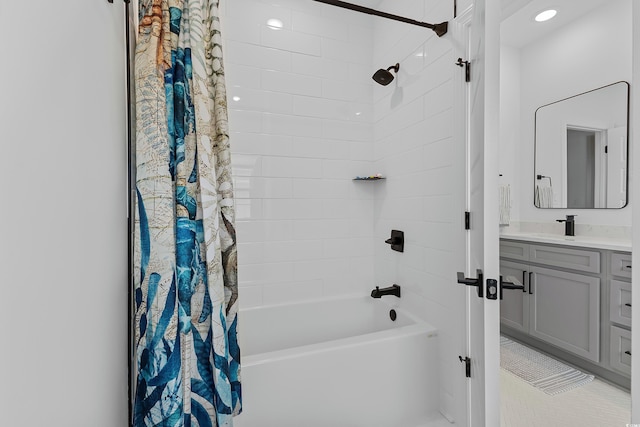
(336,362)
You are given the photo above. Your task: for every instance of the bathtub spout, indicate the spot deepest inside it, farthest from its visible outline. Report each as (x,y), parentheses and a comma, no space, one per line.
(391,290)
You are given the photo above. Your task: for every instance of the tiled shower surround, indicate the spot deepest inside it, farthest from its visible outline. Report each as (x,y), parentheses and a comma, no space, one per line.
(306,118)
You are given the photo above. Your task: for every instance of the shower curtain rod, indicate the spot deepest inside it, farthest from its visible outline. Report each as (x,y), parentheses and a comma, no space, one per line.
(440,29)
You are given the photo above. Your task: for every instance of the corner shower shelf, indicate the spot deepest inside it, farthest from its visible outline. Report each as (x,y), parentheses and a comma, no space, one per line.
(368,178)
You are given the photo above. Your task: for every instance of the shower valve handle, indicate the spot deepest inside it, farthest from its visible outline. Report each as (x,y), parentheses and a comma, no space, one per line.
(396,240)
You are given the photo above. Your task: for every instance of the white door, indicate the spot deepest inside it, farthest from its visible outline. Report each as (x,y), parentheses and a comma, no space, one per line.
(483,319)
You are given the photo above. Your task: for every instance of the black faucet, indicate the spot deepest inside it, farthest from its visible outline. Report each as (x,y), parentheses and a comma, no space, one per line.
(391,290)
(569,225)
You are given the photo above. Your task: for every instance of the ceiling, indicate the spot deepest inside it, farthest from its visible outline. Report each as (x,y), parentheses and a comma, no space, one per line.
(518,27)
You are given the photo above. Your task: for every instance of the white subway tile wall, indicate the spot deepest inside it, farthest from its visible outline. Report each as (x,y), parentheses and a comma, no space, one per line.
(416,147)
(306,118)
(301,122)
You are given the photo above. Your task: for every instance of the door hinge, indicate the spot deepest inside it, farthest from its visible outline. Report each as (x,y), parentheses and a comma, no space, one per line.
(467,220)
(467,365)
(467,69)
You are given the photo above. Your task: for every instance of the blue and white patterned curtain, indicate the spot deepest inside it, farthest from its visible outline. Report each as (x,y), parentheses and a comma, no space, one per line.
(187,359)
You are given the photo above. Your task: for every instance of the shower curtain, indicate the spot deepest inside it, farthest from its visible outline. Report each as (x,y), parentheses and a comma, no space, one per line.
(187,359)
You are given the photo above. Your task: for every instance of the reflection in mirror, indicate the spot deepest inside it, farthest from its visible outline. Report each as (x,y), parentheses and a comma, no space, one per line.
(581,146)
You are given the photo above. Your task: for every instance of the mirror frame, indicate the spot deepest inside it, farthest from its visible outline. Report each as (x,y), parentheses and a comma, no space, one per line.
(535,145)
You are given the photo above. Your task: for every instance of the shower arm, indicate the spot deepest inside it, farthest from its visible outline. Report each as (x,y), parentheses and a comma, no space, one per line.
(440,29)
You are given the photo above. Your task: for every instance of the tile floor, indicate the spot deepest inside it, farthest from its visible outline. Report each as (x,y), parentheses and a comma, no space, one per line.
(597,404)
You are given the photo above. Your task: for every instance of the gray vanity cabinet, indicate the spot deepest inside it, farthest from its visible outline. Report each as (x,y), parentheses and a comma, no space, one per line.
(576,304)
(558,306)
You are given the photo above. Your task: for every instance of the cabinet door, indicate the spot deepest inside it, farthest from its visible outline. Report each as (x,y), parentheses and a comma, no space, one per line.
(514,306)
(565,311)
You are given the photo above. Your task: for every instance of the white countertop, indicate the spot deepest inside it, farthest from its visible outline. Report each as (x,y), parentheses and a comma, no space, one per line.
(579,241)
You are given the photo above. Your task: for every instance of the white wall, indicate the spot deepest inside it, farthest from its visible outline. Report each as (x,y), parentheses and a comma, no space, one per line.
(510,145)
(591,52)
(635,126)
(63,227)
(301,129)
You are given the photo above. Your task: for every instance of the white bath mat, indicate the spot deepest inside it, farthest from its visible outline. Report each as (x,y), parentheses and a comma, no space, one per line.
(539,370)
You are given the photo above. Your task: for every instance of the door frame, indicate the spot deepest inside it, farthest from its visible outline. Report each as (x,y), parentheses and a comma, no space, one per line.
(482,137)
(634,123)
(491,228)
(634,192)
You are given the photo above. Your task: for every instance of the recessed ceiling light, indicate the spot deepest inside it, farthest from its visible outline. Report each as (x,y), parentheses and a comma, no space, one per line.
(546,15)
(236,98)
(274,24)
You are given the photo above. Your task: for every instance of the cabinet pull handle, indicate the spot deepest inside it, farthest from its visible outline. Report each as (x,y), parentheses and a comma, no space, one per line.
(524,274)
(530,283)
(627,352)
(628,305)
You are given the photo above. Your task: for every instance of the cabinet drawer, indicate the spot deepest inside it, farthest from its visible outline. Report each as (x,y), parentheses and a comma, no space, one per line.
(514,250)
(575,259)
(620,303)
(621,264)
(620,355)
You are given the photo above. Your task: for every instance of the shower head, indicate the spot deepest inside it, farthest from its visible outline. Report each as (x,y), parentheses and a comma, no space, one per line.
(384,77)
